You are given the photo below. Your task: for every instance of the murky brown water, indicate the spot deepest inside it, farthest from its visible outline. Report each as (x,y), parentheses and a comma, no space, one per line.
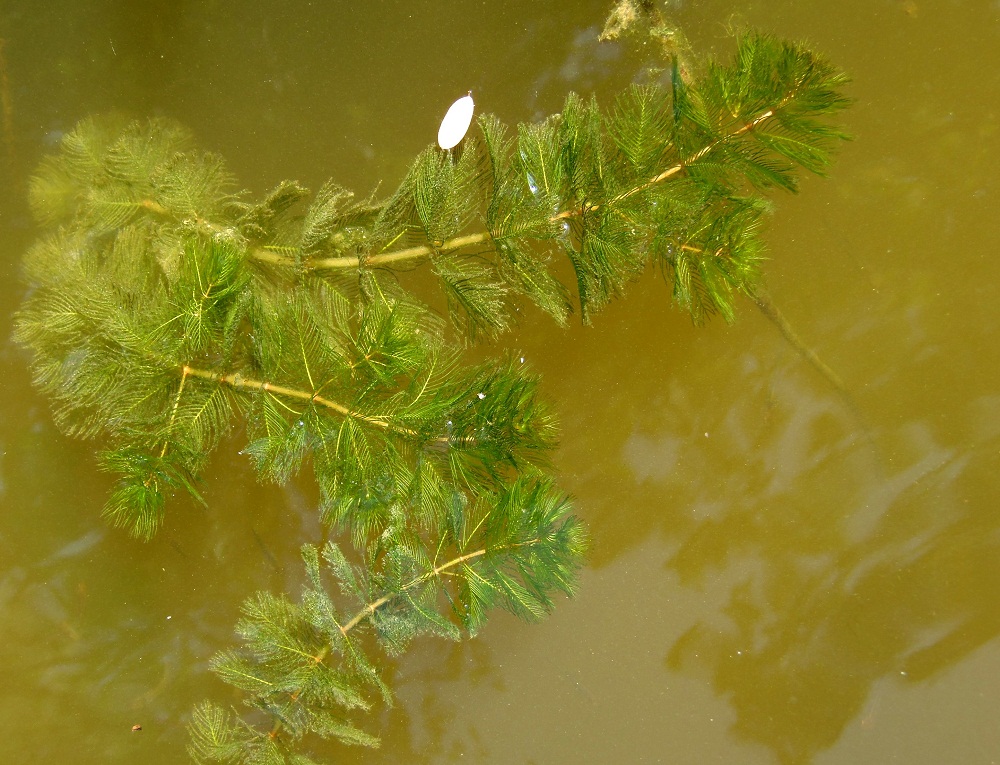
(775,577)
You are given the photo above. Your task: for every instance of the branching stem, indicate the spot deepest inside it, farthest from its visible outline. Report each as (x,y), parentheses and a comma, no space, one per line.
(238,381)
(672,171)
(385,258)
(173,412)
(375,605)
(421,251)
(772,312)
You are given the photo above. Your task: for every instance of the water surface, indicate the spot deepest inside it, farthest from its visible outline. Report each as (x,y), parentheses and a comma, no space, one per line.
(775,577)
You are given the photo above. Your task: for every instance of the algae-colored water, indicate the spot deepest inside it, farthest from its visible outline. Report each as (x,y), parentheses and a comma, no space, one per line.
(775,577)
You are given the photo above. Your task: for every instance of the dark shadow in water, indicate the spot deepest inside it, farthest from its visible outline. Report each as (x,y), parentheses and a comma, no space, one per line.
(807,630)
(839,571)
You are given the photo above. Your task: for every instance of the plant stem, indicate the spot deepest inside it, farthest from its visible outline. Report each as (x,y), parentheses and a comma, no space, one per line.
(375,605)
(370,609)
(771,311)
(238,381)
(414,253)
(670,172)
(396,256)
(173,412)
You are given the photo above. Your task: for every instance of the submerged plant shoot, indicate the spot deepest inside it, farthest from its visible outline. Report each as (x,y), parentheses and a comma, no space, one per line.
(168,312)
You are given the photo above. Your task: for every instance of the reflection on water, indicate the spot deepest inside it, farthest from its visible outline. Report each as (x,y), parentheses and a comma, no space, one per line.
(814,620)
(775,576)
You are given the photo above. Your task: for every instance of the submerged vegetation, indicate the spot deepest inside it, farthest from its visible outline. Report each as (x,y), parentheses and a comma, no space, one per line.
(168,310)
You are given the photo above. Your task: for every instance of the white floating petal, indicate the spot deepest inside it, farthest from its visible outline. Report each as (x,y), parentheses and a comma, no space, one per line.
(456,122)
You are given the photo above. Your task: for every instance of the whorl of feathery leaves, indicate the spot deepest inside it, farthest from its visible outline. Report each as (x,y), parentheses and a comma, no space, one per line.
(157,329)
(163,304)
(669,175)
(306,664)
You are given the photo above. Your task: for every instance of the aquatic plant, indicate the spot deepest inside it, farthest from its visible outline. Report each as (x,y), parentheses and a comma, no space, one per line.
(166,307)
